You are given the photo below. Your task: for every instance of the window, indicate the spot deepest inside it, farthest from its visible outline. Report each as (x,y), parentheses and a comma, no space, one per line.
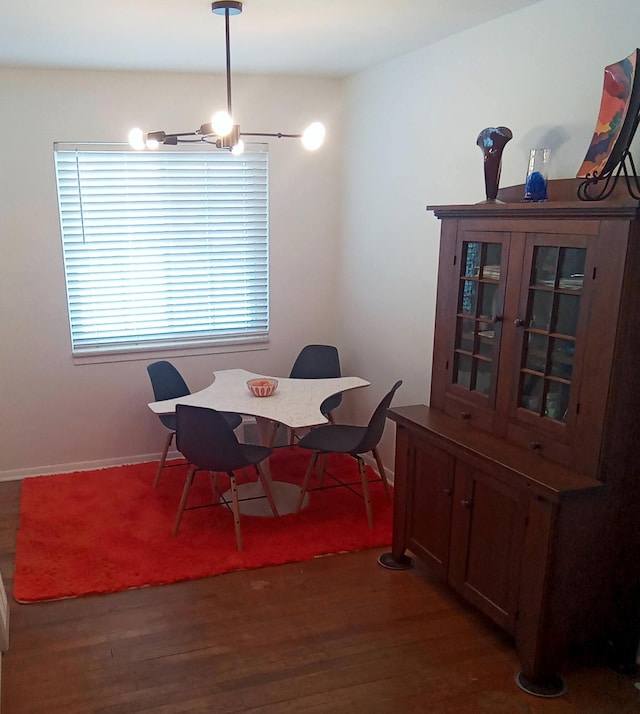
(163,249)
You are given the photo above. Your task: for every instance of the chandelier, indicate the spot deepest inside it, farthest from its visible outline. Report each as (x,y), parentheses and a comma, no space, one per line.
(222,131)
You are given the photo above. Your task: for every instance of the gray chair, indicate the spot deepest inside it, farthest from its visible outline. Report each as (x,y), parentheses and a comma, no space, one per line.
(168,383)
(318,362)
(352,440)
(206,440)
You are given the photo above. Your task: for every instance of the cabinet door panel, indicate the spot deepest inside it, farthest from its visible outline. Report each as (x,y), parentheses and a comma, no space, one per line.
(552,318)
(488,523)
(430,509)
(478,275)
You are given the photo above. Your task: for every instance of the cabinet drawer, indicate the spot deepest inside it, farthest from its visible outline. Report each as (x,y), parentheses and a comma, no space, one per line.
(545,446)
(480,418)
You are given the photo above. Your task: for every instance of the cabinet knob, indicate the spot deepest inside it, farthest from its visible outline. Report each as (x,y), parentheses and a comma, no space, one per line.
(465,415)
(448,491)
(518,322)
(535,445)
(466,503)
(496,318)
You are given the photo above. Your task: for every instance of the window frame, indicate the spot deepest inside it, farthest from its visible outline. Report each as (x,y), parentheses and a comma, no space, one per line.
(250,230)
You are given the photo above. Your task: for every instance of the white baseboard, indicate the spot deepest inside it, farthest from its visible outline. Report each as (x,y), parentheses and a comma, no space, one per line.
(19,474)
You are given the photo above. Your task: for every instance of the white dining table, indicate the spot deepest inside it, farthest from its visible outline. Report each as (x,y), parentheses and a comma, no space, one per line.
(295,403)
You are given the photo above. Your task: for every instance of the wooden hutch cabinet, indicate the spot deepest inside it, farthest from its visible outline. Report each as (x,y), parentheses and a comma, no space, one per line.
(519,483)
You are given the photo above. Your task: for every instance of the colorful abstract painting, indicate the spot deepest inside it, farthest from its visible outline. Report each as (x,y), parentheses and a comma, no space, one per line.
(617,118)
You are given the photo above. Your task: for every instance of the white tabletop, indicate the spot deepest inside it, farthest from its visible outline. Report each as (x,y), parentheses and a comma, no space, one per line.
(295,403)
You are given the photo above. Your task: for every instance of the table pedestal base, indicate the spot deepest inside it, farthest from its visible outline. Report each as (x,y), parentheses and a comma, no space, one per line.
(285,495)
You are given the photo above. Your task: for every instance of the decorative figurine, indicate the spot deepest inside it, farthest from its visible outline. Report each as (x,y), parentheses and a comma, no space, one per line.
(492,142)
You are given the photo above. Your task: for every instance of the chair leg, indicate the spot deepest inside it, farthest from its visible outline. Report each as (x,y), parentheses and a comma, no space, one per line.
(163,458)
(321,468)
(381,471)
(305,480)
(183,500)
(236,510)
(267,489)
(213,476)
(365,491)
(297,434)
(273,430)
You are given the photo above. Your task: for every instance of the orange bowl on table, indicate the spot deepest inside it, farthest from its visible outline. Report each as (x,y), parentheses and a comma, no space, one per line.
(262,386)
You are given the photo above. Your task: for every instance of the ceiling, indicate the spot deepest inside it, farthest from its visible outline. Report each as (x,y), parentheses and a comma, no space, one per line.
(326,37)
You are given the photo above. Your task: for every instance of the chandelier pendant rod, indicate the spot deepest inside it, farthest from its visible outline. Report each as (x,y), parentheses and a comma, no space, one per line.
(228,51)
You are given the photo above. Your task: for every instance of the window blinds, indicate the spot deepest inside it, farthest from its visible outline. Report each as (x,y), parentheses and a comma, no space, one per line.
(165,248)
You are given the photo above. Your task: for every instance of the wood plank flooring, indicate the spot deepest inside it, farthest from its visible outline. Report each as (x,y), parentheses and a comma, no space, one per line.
(337,634)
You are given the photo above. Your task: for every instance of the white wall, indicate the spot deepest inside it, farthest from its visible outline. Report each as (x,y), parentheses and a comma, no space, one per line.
(411,136)
(354,252)
(55,415)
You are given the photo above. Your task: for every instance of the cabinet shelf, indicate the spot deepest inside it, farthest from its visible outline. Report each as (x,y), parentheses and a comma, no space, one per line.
(475,355)
(542,375)
(554,335)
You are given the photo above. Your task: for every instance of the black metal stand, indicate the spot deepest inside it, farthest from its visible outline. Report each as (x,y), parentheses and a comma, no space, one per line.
(597,188)
(386,560)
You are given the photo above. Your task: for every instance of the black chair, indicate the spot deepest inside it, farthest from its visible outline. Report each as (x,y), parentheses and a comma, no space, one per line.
(168,383)
(318,362)
(206,440)
(352,440)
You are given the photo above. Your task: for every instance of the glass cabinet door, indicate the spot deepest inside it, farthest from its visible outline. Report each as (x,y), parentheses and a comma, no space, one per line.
(479,307)
(550,326)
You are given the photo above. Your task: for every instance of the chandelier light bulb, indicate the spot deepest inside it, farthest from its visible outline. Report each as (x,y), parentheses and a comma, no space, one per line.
(137,139)
(313,136)
(238,148)
(222,123)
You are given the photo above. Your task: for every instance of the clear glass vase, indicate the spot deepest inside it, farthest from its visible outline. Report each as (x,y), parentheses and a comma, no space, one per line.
(535,187)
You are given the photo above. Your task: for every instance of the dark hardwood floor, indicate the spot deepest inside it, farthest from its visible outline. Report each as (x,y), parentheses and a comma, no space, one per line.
(338,634)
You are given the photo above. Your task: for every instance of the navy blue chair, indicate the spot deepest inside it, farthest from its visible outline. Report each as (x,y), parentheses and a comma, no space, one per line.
(318,362)
(352,440)
(206,440)
(168,383)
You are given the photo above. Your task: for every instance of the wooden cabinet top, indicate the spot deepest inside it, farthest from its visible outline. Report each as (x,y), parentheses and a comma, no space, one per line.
(536,472)
(563,203)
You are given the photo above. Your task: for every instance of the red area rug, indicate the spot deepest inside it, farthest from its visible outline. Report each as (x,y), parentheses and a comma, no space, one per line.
(109,530)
